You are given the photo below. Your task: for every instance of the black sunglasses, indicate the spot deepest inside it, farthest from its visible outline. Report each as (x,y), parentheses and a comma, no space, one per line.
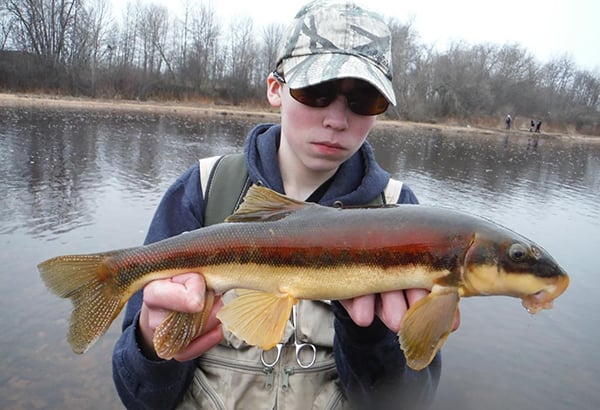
(364,99)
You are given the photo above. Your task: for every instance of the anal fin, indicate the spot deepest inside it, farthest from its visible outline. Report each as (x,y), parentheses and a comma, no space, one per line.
(426,326)
(258,318)
(179,329)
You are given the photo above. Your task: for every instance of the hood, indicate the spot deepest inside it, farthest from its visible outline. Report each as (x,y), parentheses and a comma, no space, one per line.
(358,180)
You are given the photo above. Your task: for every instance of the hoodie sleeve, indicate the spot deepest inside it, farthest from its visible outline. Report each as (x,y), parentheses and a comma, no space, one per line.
(407,196)
(371,365)
(142,383)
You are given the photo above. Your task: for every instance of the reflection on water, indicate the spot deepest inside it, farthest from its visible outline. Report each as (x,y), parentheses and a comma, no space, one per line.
(52,162)
(76,183)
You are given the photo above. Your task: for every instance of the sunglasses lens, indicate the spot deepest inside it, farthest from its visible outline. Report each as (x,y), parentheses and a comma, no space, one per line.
(367,103)
(318,96)
(363,99)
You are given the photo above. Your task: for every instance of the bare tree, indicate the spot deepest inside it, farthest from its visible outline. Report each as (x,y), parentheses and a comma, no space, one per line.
(200,63)
(241,58)
(586,90)
(45,25)
(558,74)
(406,65)
(153,29)
(128,41)
(7,24)
(86,44)
(461,81)
(271,39)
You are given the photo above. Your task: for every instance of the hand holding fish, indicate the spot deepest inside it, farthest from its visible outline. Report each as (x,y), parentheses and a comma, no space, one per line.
(181,293)
(390,307)
(184,293)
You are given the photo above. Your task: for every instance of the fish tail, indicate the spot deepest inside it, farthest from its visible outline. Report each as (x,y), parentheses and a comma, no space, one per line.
(87,282)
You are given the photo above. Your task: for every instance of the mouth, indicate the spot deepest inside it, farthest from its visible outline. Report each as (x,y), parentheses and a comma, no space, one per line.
(331,147)
(544,298)
(538,301)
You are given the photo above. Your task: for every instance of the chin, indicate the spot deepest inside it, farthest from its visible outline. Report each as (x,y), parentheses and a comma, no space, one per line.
(324,164)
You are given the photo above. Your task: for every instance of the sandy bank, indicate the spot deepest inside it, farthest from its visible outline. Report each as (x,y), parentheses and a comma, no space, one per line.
(260,115)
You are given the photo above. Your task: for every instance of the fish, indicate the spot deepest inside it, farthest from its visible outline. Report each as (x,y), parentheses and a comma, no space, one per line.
(275,250)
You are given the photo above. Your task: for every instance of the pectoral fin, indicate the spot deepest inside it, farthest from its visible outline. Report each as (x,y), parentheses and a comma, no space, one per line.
(426,326)
(258,318)
(179,329)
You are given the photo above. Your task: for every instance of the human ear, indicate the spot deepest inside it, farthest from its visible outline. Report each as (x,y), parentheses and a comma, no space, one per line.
(274,88)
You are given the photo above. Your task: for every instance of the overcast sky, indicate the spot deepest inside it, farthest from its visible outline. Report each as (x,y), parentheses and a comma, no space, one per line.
(548,29)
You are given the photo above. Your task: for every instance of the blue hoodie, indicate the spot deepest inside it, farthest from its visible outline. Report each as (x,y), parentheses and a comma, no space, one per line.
(370,363)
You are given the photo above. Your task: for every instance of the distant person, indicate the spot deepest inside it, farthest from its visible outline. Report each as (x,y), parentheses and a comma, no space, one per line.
(331,79)
(508,121)
(538,126)
(532,126)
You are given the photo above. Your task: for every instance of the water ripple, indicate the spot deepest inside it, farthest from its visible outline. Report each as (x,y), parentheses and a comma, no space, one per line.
(90,182)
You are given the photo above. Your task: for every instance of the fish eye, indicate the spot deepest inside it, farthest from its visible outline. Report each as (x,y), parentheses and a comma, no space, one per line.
(517,252)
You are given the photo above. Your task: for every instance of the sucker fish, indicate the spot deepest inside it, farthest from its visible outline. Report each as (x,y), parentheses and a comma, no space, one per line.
(275,250)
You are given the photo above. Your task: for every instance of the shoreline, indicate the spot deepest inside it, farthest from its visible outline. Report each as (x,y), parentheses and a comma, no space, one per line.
(197,109)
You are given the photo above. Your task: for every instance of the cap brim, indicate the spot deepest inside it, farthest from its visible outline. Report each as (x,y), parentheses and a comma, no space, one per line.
(303,71)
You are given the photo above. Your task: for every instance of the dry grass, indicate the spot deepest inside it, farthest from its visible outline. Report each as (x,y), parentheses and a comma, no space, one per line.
(206,108)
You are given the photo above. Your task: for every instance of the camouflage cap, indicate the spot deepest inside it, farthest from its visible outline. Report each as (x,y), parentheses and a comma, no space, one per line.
(337,39)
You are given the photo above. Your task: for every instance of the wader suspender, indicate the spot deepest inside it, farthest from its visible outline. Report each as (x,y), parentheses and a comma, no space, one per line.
(231,177)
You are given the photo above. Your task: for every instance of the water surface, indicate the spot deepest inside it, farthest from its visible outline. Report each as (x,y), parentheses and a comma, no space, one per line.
(76,183)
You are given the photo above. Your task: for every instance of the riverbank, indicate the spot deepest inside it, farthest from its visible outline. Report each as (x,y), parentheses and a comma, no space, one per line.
(260,115)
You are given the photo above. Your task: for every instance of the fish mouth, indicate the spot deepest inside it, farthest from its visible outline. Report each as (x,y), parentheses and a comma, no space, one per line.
(538,301)
(544,298)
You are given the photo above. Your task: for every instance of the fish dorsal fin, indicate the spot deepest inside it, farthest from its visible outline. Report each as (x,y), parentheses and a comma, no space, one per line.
(264,204)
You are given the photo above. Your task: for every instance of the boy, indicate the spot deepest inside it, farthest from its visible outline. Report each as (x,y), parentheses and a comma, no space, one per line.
(332,79)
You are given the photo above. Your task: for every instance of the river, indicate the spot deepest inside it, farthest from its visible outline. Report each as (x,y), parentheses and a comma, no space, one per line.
(78,182)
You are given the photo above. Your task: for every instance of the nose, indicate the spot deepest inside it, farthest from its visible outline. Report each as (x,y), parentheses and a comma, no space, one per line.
(336,114)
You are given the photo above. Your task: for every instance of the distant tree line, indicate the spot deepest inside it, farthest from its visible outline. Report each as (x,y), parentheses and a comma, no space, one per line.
(78,47)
